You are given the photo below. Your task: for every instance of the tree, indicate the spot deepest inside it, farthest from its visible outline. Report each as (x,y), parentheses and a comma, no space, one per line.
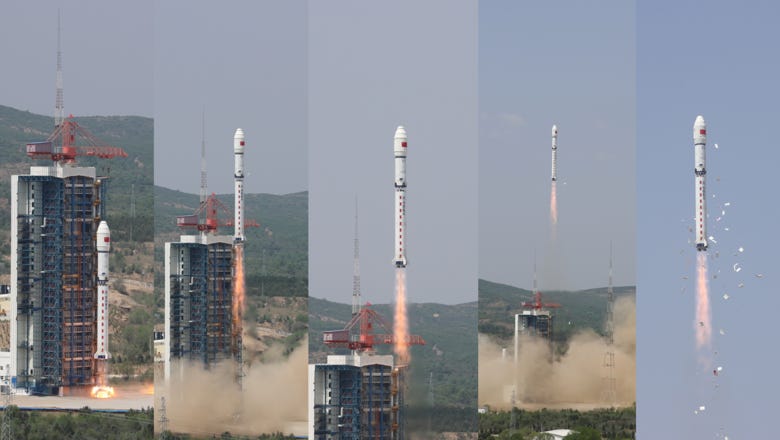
(584,433)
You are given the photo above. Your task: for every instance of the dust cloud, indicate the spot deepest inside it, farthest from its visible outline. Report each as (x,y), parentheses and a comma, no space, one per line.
(573,380)
(202,401)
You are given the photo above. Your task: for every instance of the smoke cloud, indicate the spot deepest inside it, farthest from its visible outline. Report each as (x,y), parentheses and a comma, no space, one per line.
(573,380)
(202,401)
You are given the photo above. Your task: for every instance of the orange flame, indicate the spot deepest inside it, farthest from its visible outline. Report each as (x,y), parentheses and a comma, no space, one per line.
(554,204)
(703,323)
(102,392)
(238,294)
(401,321)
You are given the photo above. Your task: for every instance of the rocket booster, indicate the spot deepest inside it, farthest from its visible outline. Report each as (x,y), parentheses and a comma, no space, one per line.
(103,246)
(399,149)
(700,171)
(554,153)
(238,153)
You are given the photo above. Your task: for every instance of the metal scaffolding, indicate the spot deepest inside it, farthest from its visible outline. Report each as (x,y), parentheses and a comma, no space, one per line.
(220,300)
(358,398)
(39,281)
(200,302)
(339,417)
(79,300)
(188,297)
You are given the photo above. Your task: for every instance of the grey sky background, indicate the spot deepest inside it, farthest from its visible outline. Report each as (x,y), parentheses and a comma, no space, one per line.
(373,66)
(571,64)
(107,56)
(716,61)
(245,63)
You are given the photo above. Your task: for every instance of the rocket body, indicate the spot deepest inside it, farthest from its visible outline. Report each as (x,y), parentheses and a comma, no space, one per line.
(399,149)
(103,247)
(700,172)
(238,153)
(554,153)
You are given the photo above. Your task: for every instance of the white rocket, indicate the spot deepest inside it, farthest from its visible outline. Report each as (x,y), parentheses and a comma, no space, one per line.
(699,141)
(399,149)
(554,153)
(103,246)
(238,152)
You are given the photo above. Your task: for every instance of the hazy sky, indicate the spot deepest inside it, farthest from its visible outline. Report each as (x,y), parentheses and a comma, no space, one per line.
(245,63)
(373,66)
(717,61)
(571,64)
(106,51)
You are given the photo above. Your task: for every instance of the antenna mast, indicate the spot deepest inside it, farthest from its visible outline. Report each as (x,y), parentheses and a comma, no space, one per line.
(59,104)
(609,392)
(356,272)
(203,182)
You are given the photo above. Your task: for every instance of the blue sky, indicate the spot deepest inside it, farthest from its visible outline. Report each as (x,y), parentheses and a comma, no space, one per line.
(717,61)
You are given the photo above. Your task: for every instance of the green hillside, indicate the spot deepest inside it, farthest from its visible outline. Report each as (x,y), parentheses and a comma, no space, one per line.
(131,178)
(579,309)
(450,354)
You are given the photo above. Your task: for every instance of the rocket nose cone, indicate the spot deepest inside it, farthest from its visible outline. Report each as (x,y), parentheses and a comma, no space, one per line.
(555,130)
(103,237)
(699,130)
(103,229)
(700,123)
(400,132)
(239,134)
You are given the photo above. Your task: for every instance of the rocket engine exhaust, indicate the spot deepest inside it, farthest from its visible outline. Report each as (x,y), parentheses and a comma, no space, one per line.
(239,286)
(401,322)
(554,205)
(703,322)
(554,184)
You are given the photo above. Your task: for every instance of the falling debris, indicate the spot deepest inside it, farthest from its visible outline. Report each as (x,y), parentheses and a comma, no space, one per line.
(702,408)
(716,146)
(722,332)
(725,296)
(727,204)
(741,249)
(741,285)
(737,267)
(701,323)
(759,275)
